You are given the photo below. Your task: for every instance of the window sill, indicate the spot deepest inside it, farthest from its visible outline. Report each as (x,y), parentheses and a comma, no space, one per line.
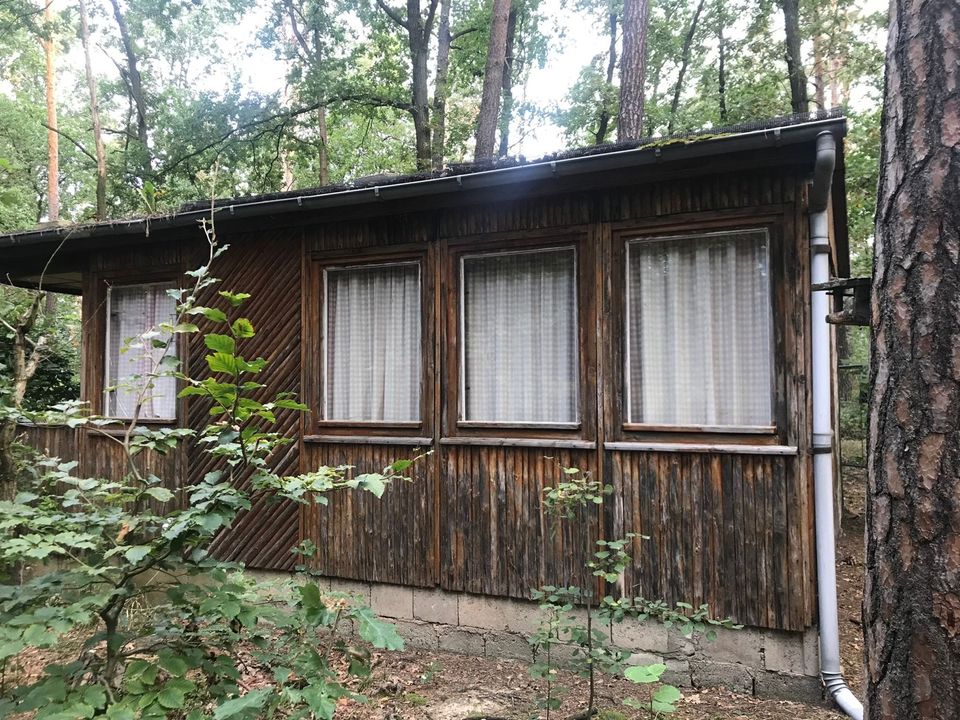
(520,442)
(369,440)
(720,429)
(484,425)
(375,424)
(715,448)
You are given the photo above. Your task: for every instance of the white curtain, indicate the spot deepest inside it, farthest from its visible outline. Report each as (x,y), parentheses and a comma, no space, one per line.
(133,313)
(373,353)
(699,313)
(520,328)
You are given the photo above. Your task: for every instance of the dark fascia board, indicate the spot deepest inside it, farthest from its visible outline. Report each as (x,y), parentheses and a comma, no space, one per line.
(652,154)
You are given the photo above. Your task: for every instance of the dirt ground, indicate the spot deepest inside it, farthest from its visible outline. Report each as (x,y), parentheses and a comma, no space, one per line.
(444,686)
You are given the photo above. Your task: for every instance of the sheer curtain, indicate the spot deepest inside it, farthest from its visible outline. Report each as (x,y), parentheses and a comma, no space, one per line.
(133,313)
(699,324)
(520,337)
(373,343)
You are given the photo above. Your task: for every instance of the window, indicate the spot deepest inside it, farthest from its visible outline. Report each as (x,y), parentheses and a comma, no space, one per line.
(698,350)
(133,314)
(372,350)
(519,346)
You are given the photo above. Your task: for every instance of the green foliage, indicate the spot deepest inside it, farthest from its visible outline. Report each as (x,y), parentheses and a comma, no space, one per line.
(574,618)
(97,547)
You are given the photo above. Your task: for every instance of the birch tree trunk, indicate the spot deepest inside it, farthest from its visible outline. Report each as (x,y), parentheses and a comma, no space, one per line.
(492,81)
(94,117)
(633,69)
(912,598)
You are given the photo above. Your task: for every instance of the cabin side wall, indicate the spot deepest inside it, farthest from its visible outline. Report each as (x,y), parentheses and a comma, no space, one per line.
(729,528)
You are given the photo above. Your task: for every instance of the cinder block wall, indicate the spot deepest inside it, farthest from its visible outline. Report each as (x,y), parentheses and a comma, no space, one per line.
(766,663)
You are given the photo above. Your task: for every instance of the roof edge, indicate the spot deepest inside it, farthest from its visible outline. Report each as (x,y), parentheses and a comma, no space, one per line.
(652,153)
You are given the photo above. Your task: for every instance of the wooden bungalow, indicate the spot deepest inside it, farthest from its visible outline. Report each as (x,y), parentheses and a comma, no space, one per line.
(641,312)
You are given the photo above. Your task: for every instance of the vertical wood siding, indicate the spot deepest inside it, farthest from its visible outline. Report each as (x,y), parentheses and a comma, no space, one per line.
(730,530)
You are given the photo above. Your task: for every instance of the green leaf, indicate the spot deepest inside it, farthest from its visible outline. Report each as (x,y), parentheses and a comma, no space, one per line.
(662,701)
(209,313)
(222,362)
(220,343)
(372,482)
(241,706)
(137,553)
(171,698)
(175,665)
(235,299)
(645,673)
(378,633)
(242,328)
(159,493)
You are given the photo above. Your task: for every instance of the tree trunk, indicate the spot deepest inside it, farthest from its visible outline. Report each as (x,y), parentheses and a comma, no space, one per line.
(722,72)
(53,139)
(324,152)
(94,117)
(441,89)
(684,62)
(134,84)
(633,69)
(603,122)
(506,113)
(912,598)
(418,34)
(492,81)
(798,79)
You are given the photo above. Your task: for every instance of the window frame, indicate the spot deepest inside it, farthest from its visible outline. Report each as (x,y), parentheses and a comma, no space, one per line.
(619,426)
(313,354)
(95,376)
(454,426)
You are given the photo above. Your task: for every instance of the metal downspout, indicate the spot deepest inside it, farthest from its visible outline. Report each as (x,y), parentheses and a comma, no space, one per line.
(823,433)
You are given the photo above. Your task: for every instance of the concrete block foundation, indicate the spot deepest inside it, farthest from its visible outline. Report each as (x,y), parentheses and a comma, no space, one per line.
(767,663)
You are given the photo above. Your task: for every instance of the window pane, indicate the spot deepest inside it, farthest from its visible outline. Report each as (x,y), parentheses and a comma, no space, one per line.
(520,347)
(133,313)
(699,330)
(373,343)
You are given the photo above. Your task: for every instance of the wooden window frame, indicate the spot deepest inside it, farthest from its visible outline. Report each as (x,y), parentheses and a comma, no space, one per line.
(618,428)
(317,427)
(454,428)
(96,342)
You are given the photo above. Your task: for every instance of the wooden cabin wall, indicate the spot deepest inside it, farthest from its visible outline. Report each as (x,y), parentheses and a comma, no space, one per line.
(733,530)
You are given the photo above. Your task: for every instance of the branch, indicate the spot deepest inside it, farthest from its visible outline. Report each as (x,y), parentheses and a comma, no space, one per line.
(461,33)
(428,25)
(80,147)
(394,15)
(284,117)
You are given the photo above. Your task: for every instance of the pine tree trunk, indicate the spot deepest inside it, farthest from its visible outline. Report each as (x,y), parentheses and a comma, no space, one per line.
(912,596)
(633,69)
(799,99)
(722,73)
(53,139)
(441,90)
(492,81)
(94,117)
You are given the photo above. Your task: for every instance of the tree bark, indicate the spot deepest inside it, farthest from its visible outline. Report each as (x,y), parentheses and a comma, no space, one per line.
(633,69)
(912,597)
(134,85)
(94,117)
(441,89)
(722,72)
(53,138)
(799,100)
(606,114)
(492,81)
(506,112)
(684,62)
(418,29)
